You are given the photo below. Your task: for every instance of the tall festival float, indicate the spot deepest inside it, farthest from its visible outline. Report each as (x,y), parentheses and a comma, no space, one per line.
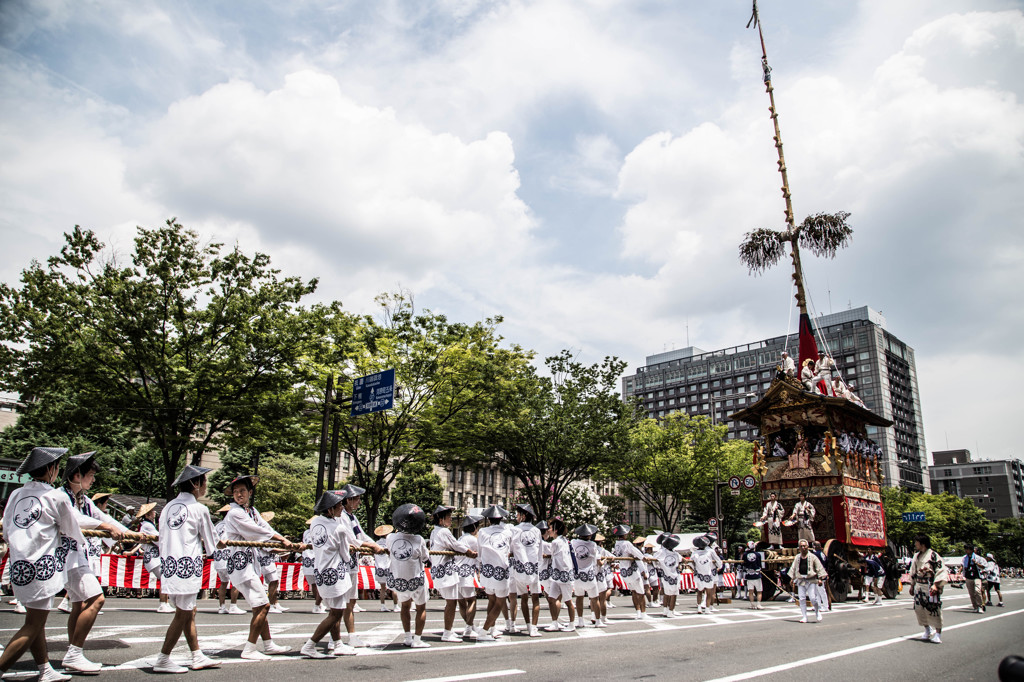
(812,441)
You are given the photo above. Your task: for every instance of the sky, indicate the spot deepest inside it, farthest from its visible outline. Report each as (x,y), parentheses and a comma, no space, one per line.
(586,168)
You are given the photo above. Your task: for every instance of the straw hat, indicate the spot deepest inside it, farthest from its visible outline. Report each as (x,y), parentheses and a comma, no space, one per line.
(268,516)
(383,529)
(99,497)
(145,509)
(310,520)
(225,509)
(598,538)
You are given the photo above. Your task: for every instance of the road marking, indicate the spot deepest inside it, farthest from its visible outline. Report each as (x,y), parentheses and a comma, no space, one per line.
(853,650)
(473,676)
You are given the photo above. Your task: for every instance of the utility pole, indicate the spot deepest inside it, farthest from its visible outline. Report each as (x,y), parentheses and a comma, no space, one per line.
(334,451)
(324,435)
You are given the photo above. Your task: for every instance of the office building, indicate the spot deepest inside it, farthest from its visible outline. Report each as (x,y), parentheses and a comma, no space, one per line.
(995,486)
(879,364)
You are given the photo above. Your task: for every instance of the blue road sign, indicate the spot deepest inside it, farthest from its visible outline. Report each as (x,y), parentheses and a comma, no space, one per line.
(373,393)
(910,517)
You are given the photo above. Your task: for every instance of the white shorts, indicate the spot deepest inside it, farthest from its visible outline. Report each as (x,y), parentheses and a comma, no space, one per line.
(182,602)
(467,591)
(221,567)
(224,577)
(634,583)
(44,604)
(499,588)
(754,584)
(669,590)
(271,573)
(878,581)
(522,584)
(335,603)
(419,596)
(352,594)
(82,585)
(253,591)
(557,590)
(588,589)
(448,592)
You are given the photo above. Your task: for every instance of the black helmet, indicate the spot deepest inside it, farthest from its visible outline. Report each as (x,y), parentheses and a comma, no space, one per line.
(670,541)
(409,518)
(621,530)
(700,542)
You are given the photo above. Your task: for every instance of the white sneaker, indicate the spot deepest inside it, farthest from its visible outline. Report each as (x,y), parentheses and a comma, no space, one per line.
(470,631)
(935,637)
(553,626)
(580,623)
(397,609)
(20,608)
(64,605)
(927,633)
(600,624)
(354,641)
(251,653)
(357,609)
(223,609)
(609,604)
(309,650)
(273,648)
(818,618)
(235,611)
(804,619)
(79,663)
(482,636)
(511,627)
(418,643)
(449,636)
(342,649)
(385,608)
(48,674)
(164,607)
(276,608)
(567,627)
(164,664)
(201,661)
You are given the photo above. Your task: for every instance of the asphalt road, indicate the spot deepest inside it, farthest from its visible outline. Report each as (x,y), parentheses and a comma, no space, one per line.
(855,641)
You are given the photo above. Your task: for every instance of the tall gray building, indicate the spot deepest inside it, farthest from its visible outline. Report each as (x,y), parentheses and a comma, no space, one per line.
(995,486)
(881,366)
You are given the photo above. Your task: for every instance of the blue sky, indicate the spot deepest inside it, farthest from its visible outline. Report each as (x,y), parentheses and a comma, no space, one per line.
(586,169)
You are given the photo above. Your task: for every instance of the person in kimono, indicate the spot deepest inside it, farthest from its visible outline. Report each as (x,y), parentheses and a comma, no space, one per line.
(706,565)
(788,366)
(467,568)
(825,367)
(185,530)
(220,565)
(495,543)
(668,561)
(803,513)
(631,571)
(928,577)
(332,541)
(444,570)
(353,497)
(524,576)
(408,577)
(243,522)
(992,580)
(772,516)
(807,573)
(83,587)
(381,567)
(560,587)
(41,528)
(808,376)
(585,550)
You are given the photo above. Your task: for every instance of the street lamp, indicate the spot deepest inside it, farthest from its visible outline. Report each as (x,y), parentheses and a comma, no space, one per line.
(714,422)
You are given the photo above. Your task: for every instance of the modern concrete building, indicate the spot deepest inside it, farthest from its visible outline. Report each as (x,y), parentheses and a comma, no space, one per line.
(866,353)
(995,486)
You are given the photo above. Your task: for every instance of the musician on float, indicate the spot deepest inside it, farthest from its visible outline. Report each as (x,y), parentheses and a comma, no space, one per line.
(771,517)
(803,514)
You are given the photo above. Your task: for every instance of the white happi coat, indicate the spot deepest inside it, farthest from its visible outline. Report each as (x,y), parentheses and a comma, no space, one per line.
(91,517)
(561,562)
(185,529)
(631,571)
(332,542)
(308,555)
(150,552)
(586,561)
(706,565)
(526,551)
(465,566)
(444,570)
(242,524)
(220,556)
(350,519)
(668,566)
(494,544)
(408,556)
(41,528)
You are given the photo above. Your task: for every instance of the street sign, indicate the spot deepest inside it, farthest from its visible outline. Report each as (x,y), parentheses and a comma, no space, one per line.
(735,491)
(911,517)
(373,393)
(712,523)
(734,482)
(749,482)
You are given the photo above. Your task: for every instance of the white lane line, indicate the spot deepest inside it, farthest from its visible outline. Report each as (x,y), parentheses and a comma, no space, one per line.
(854,650)
(473,676)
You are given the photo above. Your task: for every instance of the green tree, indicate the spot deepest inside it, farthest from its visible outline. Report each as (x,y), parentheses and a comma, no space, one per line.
(286,487)
(1007,542)
(615,506)
(417,484)
(445,371)
(579,504)
(182,340)
(551,431)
